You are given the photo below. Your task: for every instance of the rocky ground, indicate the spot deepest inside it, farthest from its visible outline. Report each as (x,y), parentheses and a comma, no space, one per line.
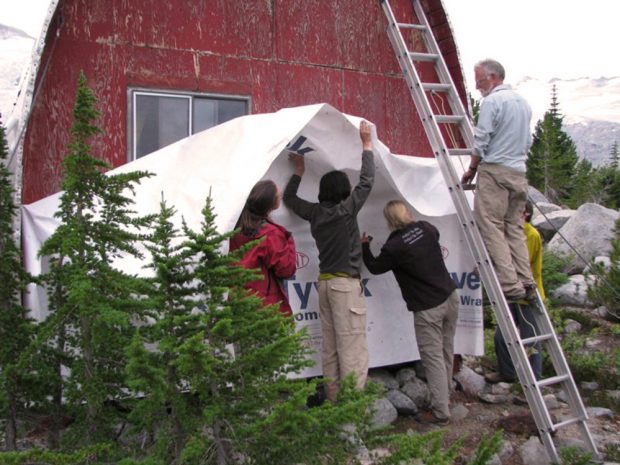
(480,408)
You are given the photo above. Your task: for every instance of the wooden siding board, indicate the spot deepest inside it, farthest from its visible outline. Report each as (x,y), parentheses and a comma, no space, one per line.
(277,52)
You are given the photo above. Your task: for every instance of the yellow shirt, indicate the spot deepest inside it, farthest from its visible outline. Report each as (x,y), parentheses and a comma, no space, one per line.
(535,250)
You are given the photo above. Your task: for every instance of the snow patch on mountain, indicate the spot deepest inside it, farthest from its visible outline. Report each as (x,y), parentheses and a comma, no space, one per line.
(15,50)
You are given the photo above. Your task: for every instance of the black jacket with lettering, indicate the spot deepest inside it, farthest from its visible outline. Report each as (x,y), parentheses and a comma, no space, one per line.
(414,255)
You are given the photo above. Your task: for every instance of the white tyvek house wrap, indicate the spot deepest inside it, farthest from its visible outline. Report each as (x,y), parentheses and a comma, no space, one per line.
(229,159)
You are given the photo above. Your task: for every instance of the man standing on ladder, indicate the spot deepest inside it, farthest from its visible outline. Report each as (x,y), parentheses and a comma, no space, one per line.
(502,139)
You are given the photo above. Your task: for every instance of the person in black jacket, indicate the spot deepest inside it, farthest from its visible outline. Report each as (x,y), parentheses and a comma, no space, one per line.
(333,225)
(413,253)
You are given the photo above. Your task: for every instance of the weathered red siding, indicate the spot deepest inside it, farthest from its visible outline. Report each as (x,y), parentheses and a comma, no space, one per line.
(281,53)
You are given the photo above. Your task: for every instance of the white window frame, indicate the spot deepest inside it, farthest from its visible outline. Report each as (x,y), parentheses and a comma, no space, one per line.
(134,93)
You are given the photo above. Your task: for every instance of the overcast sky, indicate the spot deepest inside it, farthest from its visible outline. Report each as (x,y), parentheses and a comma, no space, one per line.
(538,38)
(545,39)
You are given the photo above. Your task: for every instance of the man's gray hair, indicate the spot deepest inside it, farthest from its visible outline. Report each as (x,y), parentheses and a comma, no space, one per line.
(492,66)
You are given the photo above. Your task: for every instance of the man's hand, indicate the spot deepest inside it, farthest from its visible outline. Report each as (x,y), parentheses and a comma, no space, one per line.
(365,239)
(365,135)
(300,163)
(468,177)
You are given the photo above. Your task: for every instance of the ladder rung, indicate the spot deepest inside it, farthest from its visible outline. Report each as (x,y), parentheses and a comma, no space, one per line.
(448,118)
(423,56)
(535,339)
(418,27)
(553,380)
(570,421)
(460,151)
(436,86)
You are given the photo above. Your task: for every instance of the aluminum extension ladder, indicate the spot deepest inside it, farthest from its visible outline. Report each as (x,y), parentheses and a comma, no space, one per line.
(445,120)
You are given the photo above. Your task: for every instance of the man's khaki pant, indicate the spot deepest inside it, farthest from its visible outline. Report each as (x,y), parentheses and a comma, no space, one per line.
(343,323)
(500,199)
(434,331)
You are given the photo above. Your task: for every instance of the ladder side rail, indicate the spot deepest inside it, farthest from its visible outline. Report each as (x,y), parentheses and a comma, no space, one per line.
(445,77)
(433,47)
(559,362)
(560,365)
(472,234)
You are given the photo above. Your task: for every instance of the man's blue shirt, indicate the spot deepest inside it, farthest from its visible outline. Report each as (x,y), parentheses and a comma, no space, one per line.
(502,135)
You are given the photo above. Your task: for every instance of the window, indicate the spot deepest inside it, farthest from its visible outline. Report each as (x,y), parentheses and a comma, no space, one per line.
(158,119)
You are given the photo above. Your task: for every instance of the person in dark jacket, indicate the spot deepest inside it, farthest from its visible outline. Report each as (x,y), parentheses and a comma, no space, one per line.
(333,224)
(275,254)
(413,253)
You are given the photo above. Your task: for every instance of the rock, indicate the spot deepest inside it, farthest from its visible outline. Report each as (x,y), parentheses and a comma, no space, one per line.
(571,326)
(599,412)
(563,396)
(536,196)
(601,311)
(593,343)
(384,413)
(614,395)
(417,390)
(550,223)
(404,404)
(458,412)
(534,453)
(501,388)
(552,402)
(589,385)
(495,460)
(490,398)
(384,378)
(471,382)
(506,450)
(543,208)
(574,292)
(603,262)
(590,231)
(521,423)
(420,371)
(405,374)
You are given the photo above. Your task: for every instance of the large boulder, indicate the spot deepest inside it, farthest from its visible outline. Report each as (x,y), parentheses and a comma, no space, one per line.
(551,222)
(589,231)
(574,292)
(545,207)
(535,195)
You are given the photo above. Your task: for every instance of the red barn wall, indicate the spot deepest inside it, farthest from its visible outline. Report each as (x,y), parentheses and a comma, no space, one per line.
(280,53)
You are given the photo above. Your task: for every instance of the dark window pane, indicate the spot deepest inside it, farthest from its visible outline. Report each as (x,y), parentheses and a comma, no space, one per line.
(205,114)
(160,121)
(229,109)
(209,112)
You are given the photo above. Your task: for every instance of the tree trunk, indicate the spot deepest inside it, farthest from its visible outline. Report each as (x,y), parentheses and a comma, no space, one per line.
(178,434)
(10,430)
(89,370)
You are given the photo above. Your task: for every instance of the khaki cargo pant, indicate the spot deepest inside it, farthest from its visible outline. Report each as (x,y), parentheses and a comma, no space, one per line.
(434,332)
(343,324)
(500,199)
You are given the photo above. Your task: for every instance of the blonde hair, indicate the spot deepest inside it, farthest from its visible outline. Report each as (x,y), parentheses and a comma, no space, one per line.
(397,214)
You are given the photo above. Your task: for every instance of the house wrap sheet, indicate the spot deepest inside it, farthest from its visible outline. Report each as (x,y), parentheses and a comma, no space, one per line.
(227,160)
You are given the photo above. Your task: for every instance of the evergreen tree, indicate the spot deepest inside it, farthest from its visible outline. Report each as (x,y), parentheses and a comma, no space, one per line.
(606,290)
(609,186)
(16,328)
(586,185)
(614,156)
(215,384)
(552,159)
(91,302)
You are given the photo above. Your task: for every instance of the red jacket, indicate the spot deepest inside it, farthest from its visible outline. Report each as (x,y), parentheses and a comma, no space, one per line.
(276,258)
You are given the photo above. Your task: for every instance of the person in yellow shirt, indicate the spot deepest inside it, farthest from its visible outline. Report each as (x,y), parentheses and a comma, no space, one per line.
(522,312)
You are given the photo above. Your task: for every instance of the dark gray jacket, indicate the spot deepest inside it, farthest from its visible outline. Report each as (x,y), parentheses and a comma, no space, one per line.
(334,226)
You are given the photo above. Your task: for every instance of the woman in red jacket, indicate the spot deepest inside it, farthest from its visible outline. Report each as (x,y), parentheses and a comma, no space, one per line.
(275,254)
